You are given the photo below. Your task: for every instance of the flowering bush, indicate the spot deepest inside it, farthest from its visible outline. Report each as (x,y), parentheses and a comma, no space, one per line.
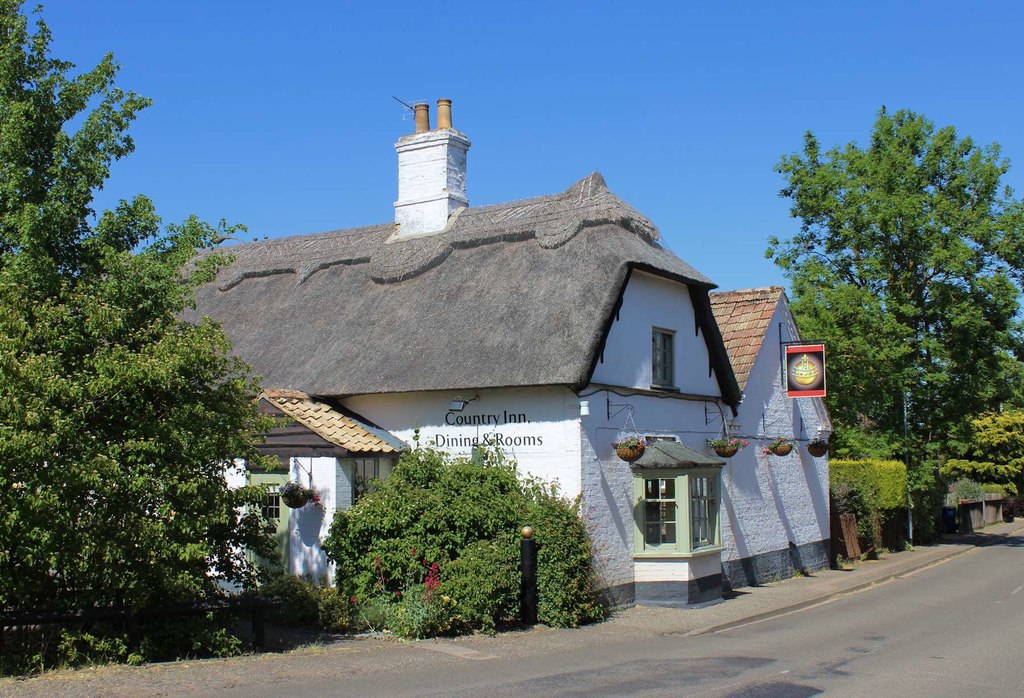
(728,442)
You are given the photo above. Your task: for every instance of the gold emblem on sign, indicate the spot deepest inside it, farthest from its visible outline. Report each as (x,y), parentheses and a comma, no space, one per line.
(805,372)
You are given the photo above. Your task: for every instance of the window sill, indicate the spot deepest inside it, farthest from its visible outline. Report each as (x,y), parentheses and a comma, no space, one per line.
(674,555)
(664,388)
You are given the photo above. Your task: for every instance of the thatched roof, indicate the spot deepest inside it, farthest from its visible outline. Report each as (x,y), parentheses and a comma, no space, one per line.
(744,317)
(516,294)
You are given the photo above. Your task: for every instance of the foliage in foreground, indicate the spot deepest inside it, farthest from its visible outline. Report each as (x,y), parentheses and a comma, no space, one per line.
(435,548)
(116,417)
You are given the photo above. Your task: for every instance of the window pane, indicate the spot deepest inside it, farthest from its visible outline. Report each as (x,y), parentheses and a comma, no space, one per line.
(668,533)
(661,358)
(703,513)
(652,534)
(668,489)
(650,489)
(272,504)
(364,470)
(667,512)
(652,512)
(659,511)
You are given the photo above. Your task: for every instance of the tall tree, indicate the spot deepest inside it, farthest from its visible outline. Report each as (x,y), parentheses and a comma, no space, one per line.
(909,263)
(117,419)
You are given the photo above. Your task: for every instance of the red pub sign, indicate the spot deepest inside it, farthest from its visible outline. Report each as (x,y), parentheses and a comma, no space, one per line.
(805,370)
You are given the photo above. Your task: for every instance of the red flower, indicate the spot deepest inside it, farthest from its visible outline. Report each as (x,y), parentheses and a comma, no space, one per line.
(412,552)
(398,595)
(352,601)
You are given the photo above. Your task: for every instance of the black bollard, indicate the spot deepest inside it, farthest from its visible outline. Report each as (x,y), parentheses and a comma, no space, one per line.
(528,588)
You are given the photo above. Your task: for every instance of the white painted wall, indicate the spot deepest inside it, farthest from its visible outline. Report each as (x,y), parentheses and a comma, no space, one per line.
(308,525)
(770,501)
(650,301)
(608,481)
(539,427)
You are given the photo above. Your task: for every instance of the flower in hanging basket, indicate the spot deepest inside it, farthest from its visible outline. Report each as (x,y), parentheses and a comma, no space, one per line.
(727,447)
(629,449)
(780,447)
(295,496)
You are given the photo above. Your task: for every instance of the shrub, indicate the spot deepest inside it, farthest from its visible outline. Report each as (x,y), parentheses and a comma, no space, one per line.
(1013,507)
(460,517)
(32,649)
(307,604)
(565,581)
(484,583)
(965,489)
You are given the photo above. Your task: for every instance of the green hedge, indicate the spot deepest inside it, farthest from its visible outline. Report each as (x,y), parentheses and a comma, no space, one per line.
(885,481)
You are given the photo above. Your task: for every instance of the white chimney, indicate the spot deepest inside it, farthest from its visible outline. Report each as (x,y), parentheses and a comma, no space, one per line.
(431,173)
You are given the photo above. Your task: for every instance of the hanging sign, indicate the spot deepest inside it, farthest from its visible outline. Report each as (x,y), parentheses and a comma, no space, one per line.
(805,370)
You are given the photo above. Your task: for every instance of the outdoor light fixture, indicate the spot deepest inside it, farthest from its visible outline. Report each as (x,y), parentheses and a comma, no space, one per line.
(459,404)
(584,408)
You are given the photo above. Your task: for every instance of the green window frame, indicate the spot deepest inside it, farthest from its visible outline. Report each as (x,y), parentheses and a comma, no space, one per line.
(677,511)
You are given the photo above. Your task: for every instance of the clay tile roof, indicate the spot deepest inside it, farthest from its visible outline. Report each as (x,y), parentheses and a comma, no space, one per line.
(743,318)
(344,430)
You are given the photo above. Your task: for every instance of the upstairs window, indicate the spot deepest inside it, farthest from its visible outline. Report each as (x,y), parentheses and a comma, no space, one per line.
(662,370)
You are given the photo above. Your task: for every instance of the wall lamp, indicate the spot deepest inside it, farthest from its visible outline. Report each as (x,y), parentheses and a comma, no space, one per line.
(459,404)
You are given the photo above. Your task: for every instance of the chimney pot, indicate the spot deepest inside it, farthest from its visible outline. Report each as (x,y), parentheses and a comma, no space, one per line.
(444,113)
(422,117)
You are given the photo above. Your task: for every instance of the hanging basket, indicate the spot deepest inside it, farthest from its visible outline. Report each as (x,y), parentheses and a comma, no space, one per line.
(726,451)
(817,448)
(629,453)
(295,496)
(781,449)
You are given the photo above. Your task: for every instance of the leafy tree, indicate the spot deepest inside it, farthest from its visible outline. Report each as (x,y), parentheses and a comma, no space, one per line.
(993,452)
(909,263)
(116,418)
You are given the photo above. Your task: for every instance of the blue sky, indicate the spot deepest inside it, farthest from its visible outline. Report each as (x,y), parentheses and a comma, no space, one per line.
(280,115)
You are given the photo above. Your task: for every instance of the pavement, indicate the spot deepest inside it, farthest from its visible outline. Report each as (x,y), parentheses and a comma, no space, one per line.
(369,655)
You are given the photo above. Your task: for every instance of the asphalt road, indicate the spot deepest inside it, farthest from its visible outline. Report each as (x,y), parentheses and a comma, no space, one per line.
(953,629)
(950,630)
